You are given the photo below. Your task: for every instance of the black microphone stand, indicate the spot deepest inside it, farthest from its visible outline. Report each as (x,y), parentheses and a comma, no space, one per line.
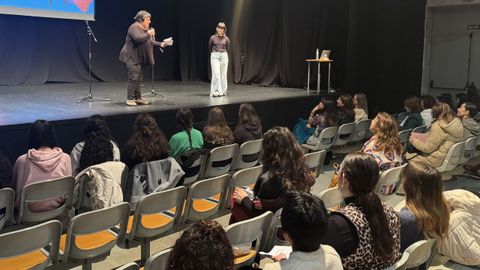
(90,97)
(152,91)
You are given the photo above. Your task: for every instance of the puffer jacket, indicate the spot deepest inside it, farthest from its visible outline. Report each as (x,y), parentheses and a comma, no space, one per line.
(441,137)
(463,242)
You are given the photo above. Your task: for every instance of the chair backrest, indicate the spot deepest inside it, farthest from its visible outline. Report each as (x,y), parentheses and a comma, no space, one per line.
(30,242)
(274,232)
(248,154)
(419,253)
(194,171)
(129,266)
(7,197)
(242,178)
(390,177)
(361,128)
(344,134)
(44,191)
(247,231)
(400,264)
(204,198)
(469,149)
(314,161)
(331,197)
(158,261)
(404,135)
(453,157)
(95,225)
(150,219)
(220,155)
(420,129)
(325,139)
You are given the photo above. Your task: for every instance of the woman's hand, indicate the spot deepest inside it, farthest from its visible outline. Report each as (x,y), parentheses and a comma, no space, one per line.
(239,194)
(279,257)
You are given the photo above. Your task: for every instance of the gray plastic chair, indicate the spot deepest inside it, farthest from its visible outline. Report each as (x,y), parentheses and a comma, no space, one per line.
(469,149)
(158,261)
(344,134)
(151,220)
(42,191)
(7,198)
(90,236)
(325,139)
(274,231)
(400,264)
(129,266)
(419,253)
(453,157)
(420,129)
(388,178)
(242,178)
(205,197)
(331,197)
(199,166)
(248,149)
(314,161)
(246,232)
(220,154)
(404,135)
(361,129)
(24,248)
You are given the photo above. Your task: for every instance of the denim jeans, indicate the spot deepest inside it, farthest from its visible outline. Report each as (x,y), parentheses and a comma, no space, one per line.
(219,63)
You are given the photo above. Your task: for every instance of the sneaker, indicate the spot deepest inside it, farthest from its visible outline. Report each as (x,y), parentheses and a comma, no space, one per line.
(142,102)
(131,102)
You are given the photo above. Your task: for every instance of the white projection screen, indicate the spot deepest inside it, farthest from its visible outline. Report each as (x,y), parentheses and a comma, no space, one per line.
(64,9)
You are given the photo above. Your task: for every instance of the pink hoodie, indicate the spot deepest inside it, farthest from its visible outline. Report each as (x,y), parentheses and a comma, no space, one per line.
(40,165)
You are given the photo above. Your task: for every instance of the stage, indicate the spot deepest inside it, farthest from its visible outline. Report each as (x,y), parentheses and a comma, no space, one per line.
(58,102)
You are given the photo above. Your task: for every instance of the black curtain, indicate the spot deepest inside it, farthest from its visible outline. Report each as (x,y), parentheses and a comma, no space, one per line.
(377,45)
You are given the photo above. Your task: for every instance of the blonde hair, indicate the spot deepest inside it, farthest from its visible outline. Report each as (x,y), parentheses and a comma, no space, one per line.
(424,197)
(386,133)
(442,111)
(362,101)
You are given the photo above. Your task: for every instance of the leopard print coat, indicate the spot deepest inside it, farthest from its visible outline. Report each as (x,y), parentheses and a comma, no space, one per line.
(364,257)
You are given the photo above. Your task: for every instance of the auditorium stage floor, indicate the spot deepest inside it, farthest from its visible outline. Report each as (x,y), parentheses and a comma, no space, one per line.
(59,101)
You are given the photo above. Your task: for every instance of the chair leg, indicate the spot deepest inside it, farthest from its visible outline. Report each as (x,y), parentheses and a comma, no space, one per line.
(87,265)
(145,251)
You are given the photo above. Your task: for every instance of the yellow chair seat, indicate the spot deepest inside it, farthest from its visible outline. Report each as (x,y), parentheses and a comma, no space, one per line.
(243,258)
(25,261)
(152,221)
(90,241)
(203,205)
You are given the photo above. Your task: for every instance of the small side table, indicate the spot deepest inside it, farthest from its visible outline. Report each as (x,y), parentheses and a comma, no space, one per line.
(318,61)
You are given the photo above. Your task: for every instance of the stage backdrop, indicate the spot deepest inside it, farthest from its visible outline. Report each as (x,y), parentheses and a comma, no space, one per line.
(377,45)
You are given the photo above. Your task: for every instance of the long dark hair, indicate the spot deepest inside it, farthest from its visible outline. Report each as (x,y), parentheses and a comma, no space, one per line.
(98,146)
(347,101)
(248,115)
(362,173)
(331,110)
(217,129)
(184,119)
(147,141)
(41,134)
(283,158)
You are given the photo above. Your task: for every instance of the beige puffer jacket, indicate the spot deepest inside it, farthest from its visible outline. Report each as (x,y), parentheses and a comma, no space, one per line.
(441,137)
(463,242)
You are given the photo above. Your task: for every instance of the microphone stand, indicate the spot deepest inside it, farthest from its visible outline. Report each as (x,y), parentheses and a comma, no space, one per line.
(152,91)
(90,97)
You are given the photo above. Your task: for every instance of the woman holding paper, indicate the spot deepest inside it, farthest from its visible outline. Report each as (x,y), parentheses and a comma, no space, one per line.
(218,46)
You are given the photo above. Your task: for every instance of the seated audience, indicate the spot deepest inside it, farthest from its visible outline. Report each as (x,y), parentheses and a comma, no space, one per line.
(43,161)
(187,138)
(426,212)
(384,146)
(366,232)
(217,132)
(147,143)
(466,112)
(204,246)
(412,117)
(249,126)
(283,170)
(304,223)
(427,104)
(447,129)
(460,98)
(5,172)
(447,98)
(361,106)
(346,114)
(97,145)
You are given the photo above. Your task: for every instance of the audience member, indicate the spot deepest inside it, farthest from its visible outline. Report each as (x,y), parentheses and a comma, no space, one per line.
(284,170)
(96,147)
(5,172)
(43,161)
(366,232)
(447,98)
(217,132)
(460,98)
(188,138)
(304,223)
(249,126)
(346,114)
(204,246)
(361,106)
(446,130)
(466,112)
(412,117)
(427,104)
(147,143)
(324,115)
